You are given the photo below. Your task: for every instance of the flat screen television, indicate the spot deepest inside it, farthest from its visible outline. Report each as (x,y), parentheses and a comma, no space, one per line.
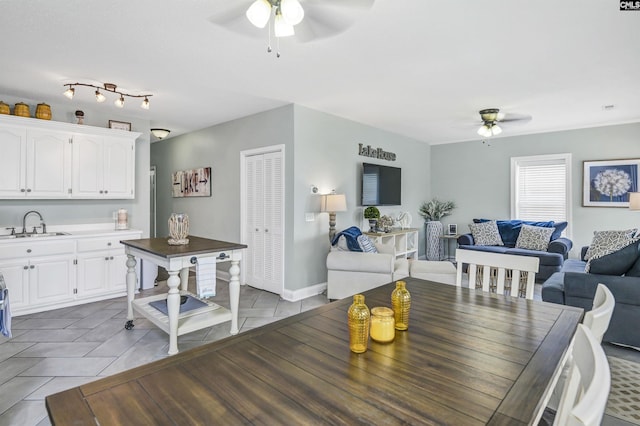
(381,185)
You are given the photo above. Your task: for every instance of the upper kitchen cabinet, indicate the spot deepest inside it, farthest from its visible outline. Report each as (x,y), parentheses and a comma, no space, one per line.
(35,163)
(103,167)
(54,160)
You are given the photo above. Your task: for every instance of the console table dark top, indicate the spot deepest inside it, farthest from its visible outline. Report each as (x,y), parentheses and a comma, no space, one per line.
(468,358)
(197,245)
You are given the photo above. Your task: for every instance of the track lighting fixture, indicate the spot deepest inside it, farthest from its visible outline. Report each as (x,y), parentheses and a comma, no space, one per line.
(107,87)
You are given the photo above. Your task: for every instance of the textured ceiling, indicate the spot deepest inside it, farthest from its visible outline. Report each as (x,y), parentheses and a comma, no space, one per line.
(420,68)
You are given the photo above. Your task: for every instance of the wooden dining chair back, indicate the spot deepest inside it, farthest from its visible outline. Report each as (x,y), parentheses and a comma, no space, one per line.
(586,391)
(598,318)
(495,272)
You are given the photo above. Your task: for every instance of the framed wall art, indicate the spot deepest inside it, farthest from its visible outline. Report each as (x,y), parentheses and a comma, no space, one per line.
(192,183)
(120,125)
(607,183)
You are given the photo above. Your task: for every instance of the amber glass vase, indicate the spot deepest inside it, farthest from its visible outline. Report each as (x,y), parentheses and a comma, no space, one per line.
(401,303)
(358,320)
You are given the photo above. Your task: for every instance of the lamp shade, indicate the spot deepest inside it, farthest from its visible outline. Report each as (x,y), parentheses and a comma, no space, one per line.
(334,203)
(292,11)
(281,28)
(634,201)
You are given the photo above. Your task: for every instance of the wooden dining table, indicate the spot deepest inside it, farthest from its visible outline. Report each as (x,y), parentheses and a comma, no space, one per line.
(468,358)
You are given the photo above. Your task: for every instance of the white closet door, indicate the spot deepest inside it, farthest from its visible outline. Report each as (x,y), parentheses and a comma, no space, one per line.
(264,257)
(254,259)
(273,233)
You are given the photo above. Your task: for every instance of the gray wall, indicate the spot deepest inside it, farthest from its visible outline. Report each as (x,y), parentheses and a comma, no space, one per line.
(61,212)
(320,149)
(477,176)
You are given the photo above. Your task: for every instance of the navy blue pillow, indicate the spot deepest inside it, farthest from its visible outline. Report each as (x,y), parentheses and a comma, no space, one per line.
(616,263)
(560,226)
(351,235)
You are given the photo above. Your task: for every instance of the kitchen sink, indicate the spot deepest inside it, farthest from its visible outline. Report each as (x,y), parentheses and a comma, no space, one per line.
(48,234)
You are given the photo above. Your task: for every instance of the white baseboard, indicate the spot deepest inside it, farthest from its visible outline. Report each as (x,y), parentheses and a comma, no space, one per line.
(303,293)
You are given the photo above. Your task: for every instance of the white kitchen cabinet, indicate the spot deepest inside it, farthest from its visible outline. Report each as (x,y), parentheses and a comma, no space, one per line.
(103,167)
(36,163)
(54,160)
(38,274)
(102,265)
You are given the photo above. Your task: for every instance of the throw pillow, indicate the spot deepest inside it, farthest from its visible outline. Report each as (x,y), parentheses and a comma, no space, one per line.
(486,233)
(558,228)
(366,244)
(616,263)
(606,242)
(534,237)
(510,229)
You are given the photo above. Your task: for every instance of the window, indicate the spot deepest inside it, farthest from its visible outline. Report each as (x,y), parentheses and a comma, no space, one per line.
(541,188)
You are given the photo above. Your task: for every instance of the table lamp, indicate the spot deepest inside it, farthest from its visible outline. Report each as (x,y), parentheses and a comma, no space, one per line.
(333,203)
(634,200)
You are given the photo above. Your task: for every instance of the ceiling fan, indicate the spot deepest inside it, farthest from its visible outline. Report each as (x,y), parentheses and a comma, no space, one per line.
(304,20)
(492,116)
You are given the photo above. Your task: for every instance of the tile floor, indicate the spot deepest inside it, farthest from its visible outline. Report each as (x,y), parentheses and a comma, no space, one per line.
(56,350)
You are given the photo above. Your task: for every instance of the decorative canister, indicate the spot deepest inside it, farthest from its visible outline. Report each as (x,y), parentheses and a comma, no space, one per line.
(382,325)
(4,108)
(21,110)
(43,111)
(122,219)
(178,229)
(401,302)
(358,320)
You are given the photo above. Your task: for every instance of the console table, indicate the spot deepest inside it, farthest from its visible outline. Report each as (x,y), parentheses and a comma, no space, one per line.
(177,260)
(405,241)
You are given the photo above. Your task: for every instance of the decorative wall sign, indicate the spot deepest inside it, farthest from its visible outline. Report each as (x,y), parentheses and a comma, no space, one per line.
(367,151)
(192,183)
(608,183)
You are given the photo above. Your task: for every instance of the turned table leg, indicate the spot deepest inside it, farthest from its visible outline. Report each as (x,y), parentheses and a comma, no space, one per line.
(173,309)
(131,289)
(234,294)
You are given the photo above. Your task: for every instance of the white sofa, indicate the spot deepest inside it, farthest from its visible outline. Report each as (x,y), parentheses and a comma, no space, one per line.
(351,272)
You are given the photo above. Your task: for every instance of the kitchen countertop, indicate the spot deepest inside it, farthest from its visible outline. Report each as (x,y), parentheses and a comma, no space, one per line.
(71,231)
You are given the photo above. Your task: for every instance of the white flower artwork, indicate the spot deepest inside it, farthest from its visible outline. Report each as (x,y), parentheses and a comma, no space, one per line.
(608,183)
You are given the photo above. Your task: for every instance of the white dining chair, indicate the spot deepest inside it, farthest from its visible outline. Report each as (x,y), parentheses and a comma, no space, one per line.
(585,393)
(497,271)
(598,318)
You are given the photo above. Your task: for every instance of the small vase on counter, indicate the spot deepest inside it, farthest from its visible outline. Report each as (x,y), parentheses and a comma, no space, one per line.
(178,229)
(401,302)
(358,318)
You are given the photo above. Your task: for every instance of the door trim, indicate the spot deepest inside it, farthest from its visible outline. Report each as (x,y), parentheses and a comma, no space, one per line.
(243,202)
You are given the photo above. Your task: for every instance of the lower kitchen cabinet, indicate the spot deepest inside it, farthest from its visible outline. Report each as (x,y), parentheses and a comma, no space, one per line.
(48,274)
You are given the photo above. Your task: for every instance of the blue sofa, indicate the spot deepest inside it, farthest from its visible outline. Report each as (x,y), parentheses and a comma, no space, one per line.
(551,261)
(574,287)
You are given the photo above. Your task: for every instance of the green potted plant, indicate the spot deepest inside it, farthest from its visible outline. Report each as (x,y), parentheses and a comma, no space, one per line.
(372,214)
(432,211)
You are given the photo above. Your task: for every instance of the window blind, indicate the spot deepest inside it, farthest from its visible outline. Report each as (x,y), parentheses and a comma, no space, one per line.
(540,187)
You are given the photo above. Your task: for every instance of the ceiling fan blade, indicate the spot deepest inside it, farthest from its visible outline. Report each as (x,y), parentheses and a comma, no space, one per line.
(347,4)
(323,22)
(508,117)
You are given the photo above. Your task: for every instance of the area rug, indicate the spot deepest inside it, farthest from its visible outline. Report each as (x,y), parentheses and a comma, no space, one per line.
(624,397)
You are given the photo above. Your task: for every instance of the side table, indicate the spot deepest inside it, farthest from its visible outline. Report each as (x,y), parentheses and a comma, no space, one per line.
(447,255)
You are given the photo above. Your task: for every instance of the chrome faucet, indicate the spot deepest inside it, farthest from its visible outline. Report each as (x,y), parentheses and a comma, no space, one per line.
(24,222)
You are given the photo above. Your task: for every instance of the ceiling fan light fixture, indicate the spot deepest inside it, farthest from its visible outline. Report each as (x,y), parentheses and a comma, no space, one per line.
(496,130)
(484,131)
(292,11)
(281,28)
(259,13)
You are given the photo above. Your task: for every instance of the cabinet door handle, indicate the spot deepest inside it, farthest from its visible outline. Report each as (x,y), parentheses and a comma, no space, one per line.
(23,190)
(111,258)
(108,244)
(266,230)
(28,189)
(106,258)
(106,191)
(101,191)
(32,266)
(25,267)
(28,250)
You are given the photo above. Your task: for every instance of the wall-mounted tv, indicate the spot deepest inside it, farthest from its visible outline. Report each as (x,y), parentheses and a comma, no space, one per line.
(381,185)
